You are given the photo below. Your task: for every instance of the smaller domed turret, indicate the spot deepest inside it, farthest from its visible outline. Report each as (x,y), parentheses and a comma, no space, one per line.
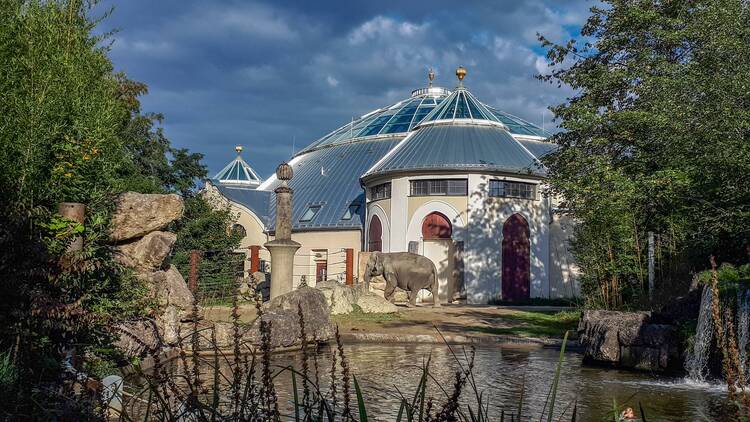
(238,172)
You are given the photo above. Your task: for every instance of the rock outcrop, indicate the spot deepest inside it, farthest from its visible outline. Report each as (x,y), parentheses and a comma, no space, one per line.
(137,214)
(147,253)
(170,290)
(343,299)
(628,340)
(143,248)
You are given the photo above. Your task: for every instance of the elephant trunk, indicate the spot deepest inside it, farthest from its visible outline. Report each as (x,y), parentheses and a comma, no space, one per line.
(367,277)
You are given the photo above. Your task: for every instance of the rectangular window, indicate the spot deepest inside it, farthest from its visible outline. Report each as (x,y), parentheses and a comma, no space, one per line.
(380,192)
(505,189)
(310,213)
(436,187)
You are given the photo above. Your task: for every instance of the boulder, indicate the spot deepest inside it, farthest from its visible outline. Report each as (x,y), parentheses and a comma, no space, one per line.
(283,314)
(313,304)
(170,290)
(285,329)
(377,286)
(147,253)
(339,297)
(628,340)
(370,303)
(138,214)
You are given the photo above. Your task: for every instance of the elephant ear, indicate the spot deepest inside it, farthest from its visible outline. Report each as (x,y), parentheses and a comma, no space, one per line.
(376,258)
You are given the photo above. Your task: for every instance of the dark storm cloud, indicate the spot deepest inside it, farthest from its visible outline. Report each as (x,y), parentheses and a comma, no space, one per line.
(270,74)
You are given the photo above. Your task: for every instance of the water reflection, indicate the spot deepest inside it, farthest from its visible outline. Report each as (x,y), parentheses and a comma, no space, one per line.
(502,372)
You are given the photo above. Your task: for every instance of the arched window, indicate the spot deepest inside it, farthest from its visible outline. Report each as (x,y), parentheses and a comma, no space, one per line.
(436,226)
(375,235)
(516,279)
(239,229)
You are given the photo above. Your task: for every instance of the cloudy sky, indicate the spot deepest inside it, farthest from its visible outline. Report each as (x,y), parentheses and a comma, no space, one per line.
(277,74)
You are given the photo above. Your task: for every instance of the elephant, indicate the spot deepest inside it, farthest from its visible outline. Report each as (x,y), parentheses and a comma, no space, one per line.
(405,270)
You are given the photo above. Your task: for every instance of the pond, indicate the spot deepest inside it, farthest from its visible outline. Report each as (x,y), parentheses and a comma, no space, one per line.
(501,372)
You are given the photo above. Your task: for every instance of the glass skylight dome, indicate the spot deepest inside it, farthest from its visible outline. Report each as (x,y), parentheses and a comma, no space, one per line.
(238,172)
(398,119)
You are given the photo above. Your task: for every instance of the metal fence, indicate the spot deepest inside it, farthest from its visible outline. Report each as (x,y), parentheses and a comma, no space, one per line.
(214,276)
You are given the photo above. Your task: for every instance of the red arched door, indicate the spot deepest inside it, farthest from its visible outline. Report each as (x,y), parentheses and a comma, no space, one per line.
(516,263)
(375,235)
(436,226)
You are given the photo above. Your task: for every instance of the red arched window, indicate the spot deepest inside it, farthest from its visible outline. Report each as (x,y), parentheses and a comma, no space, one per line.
(375,235)
(436,226)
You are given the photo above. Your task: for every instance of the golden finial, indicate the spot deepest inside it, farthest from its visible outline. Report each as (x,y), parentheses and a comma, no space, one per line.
(431,76)
(461,74)
(238,148)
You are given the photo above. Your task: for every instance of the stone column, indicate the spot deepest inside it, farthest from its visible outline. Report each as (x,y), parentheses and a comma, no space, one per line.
(282,248)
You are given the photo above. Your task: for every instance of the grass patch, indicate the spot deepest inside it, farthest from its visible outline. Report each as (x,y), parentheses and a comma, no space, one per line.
(358,316)
(535,324)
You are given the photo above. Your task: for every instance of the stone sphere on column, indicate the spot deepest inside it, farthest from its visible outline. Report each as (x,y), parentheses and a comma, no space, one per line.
(284,172)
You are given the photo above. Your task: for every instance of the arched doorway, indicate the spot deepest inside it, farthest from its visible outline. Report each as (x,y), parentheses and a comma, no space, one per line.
(436,226)
(437,245)
(516,280)
(375,235)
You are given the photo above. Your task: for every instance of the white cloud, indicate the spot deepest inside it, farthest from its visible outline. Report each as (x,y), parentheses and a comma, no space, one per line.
(332,81)
(251,19)
(385,27)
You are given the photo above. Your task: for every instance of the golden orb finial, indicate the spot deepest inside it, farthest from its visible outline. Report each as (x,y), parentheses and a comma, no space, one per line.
(461,74)
(431,76)
(238,149)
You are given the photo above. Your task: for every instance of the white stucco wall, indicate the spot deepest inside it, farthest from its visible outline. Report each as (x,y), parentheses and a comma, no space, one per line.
(477,221)
(325,245)
(483,248)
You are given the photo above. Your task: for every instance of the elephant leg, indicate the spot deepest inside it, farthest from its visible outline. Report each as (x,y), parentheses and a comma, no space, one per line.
(412,299)
(435,291)
(390,289)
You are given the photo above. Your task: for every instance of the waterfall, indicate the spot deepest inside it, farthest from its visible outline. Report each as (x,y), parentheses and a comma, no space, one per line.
(743,329)
(697,361)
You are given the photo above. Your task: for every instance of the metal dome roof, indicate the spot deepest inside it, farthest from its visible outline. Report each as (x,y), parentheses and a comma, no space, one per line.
(424,104)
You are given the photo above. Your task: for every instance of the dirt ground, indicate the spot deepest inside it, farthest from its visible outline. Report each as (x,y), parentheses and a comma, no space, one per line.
(452,319)
(472,320)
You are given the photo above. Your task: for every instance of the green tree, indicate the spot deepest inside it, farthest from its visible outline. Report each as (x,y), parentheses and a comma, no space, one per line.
(155,166)
(60,125)
(70,130)
(655,138)
(206,229)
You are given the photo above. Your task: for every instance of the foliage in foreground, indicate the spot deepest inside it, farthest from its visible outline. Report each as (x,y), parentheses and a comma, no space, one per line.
(71,130)
(656,139)
(241,386)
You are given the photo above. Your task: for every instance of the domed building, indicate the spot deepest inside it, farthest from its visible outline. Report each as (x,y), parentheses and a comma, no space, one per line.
(440,174)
